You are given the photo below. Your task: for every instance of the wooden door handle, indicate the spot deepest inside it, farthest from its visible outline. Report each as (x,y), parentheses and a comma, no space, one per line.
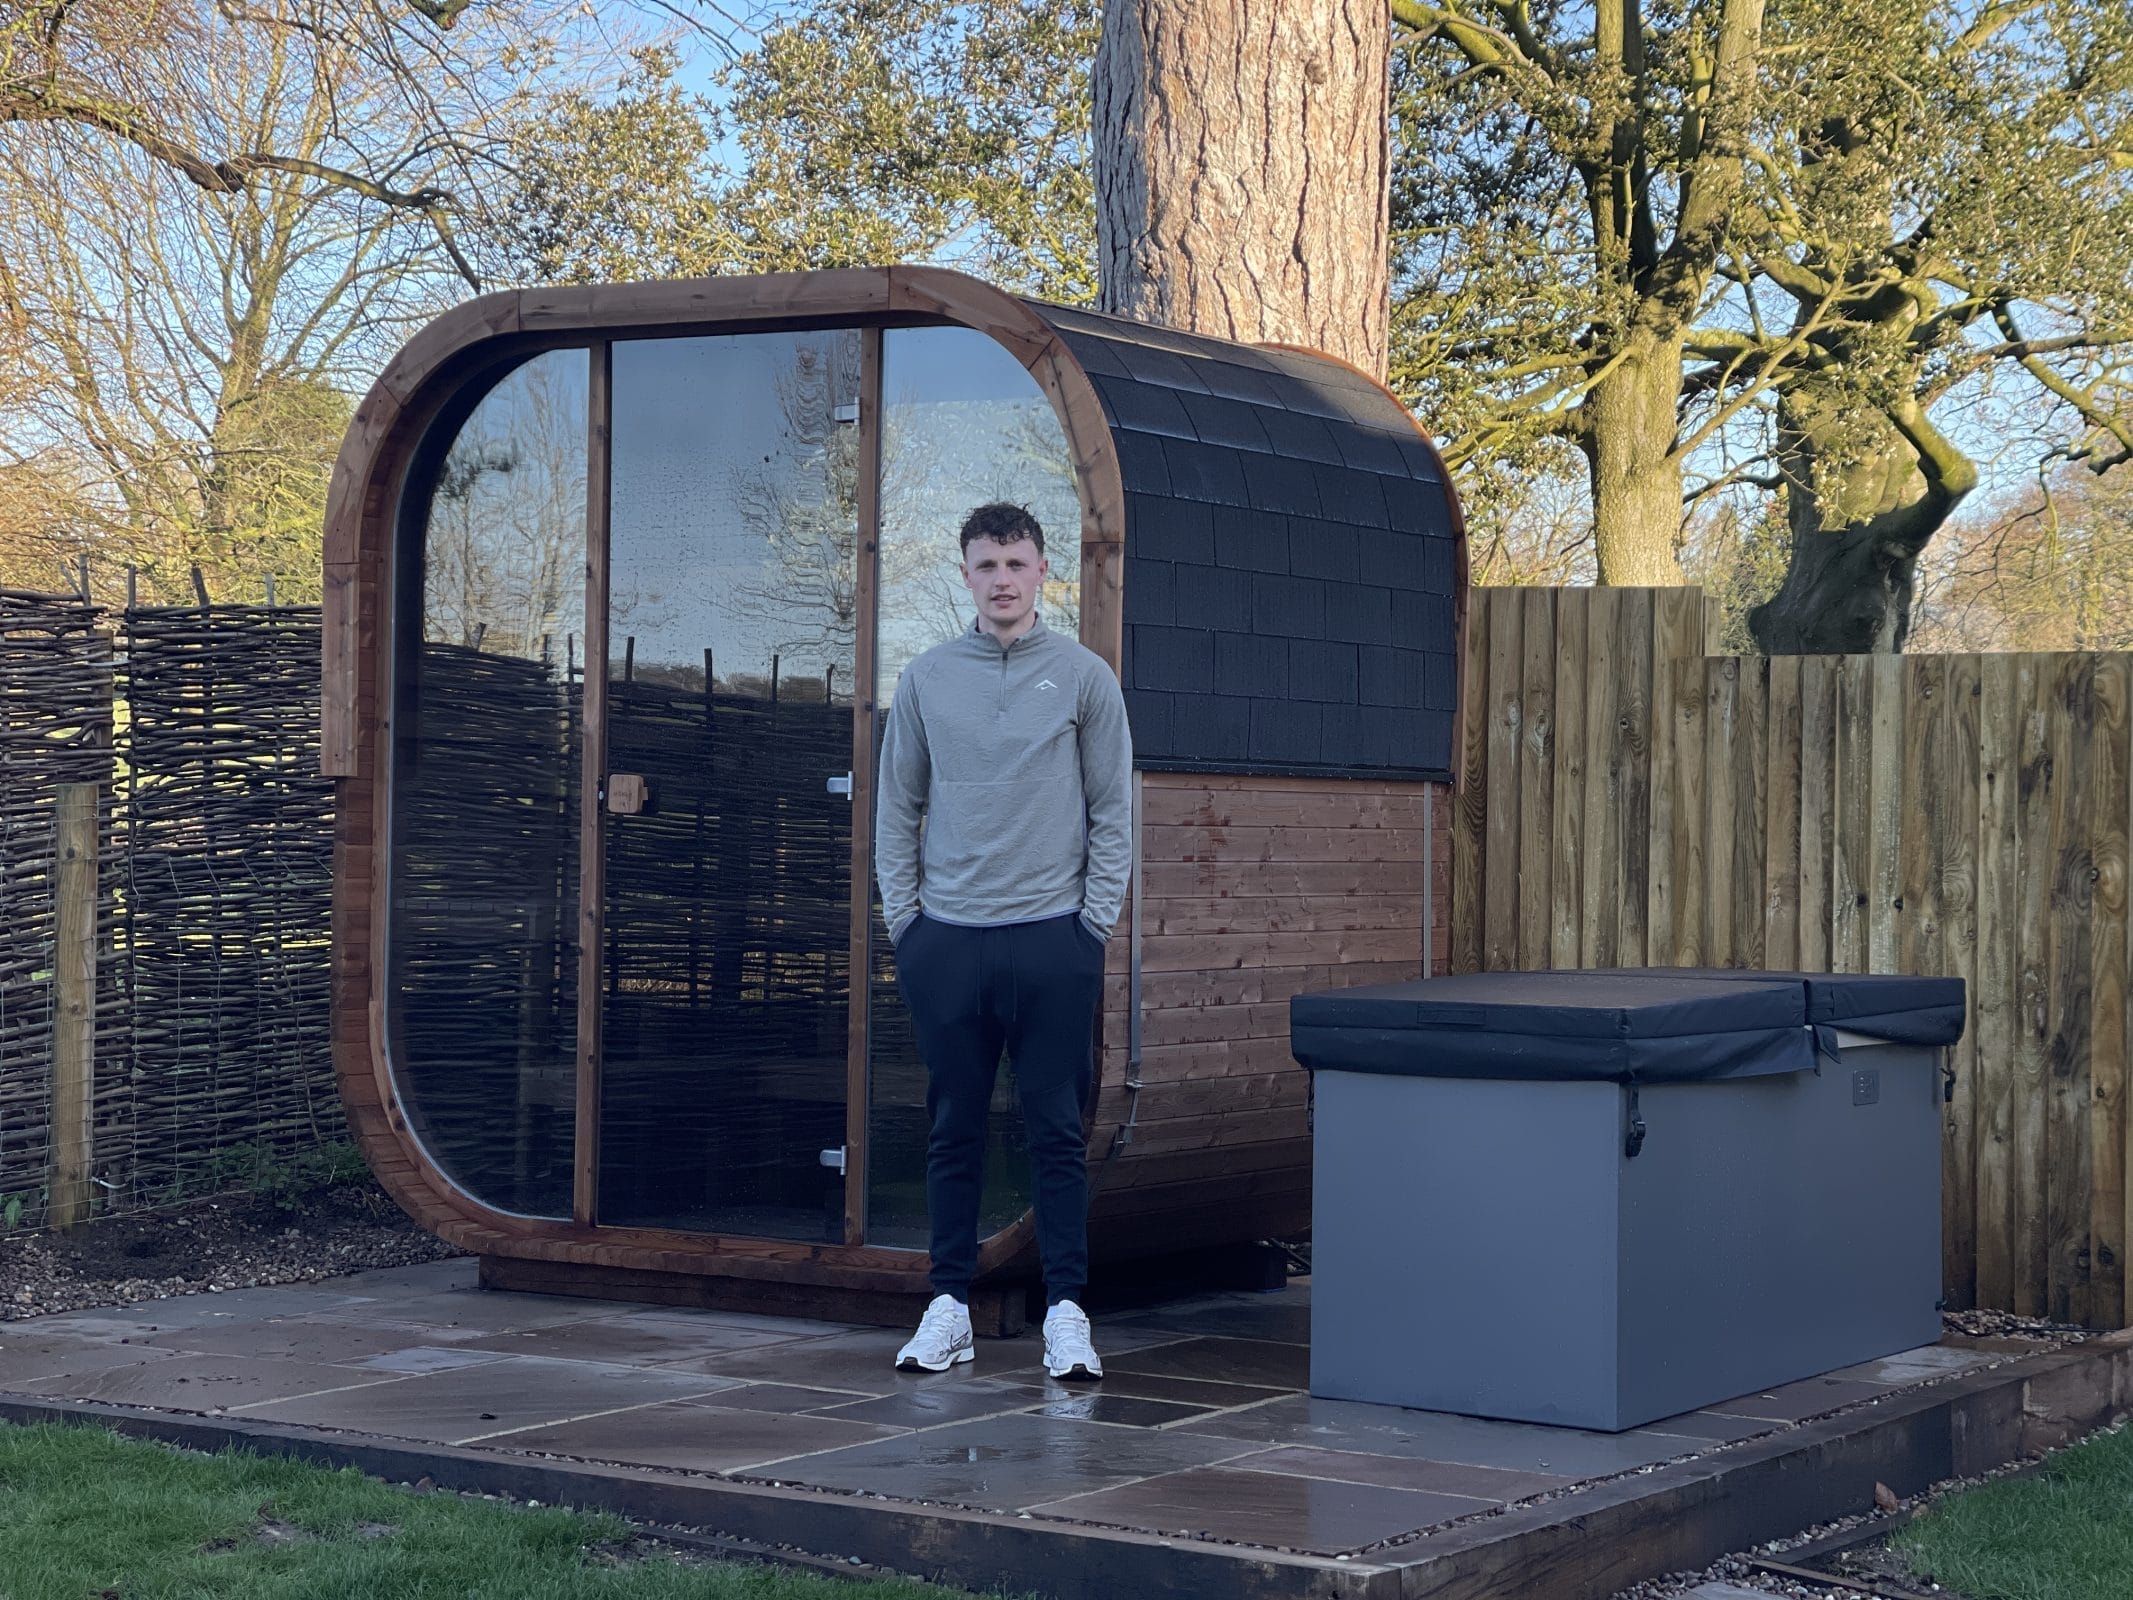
(628,795)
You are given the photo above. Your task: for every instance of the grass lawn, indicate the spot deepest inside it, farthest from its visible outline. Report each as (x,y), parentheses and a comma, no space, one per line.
(2065,1533)
(84,1514)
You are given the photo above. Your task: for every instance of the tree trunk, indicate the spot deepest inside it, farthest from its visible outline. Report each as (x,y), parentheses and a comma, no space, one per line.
(1241,172)
(1865,492)
(1636,479)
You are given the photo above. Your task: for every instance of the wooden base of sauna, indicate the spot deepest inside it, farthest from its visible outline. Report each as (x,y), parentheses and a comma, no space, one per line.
(1150,1280)
(997,1311)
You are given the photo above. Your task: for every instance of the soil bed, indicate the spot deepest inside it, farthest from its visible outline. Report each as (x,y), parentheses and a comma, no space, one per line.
(236,1241)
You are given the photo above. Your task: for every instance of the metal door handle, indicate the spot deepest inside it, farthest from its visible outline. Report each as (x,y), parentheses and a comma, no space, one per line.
(834,1159)
(841,786)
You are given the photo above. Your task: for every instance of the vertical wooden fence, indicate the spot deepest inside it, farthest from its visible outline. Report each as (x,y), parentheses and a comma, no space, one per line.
(1632,800)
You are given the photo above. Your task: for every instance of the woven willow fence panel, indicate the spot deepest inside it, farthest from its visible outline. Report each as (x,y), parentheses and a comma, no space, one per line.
(200,727)
(55,728)
(485,916)
(228,852)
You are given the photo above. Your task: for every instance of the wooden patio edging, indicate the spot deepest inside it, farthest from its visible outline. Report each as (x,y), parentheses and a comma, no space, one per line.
(1630,800)
(1584,1546)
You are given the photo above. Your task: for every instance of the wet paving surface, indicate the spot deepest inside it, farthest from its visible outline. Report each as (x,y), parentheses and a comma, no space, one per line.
(1201,1429)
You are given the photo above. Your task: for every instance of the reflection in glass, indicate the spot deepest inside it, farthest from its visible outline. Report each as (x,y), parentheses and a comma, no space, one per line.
(482,950)
(962,423)
(732,619)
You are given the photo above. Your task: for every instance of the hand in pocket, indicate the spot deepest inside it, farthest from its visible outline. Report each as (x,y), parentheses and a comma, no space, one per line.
(1090,939)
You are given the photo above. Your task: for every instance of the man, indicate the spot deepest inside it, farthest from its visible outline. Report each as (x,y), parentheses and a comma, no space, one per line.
(1009,745)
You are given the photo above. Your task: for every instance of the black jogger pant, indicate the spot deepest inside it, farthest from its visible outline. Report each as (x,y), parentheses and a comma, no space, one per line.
(1031,989)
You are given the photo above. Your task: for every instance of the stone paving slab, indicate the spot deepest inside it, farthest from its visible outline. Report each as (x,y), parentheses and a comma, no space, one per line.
(333,1340)
(472,1313)
(1394,1472)
(176,1382)
(229,1309)
(1200,1394)
(859,1361)
(1267,1508)
(933,1405)
(412,1282)
(1466,1441)
(694,1435)
(26,1356)
(1261,1362)
(1121,1410)
(787,1327)
(1201,1427)
(1008,1463)
(1229,1316)
(462,1404)
(415,1360)
(785,1397)
(632,1340)
(1914,1365)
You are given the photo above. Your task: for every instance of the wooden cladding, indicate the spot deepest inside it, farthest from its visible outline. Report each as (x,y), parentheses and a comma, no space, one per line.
(1253,889)
(1632,800)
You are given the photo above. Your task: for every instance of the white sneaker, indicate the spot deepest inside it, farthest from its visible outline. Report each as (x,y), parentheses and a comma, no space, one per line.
(1067,1351)
(943,1338)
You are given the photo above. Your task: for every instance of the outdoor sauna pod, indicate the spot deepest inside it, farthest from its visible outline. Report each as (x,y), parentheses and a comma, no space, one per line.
(619,584)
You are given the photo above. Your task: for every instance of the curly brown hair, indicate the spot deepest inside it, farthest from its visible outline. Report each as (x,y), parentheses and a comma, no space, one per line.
(1003,523)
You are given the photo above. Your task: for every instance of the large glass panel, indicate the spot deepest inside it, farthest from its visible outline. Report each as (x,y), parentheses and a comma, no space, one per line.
(482,950)
(963,424)
(732,618)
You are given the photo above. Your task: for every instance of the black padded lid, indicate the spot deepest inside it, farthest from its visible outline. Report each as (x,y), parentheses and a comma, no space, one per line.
(1894,1006)
(1630,1026)
(1626,1003)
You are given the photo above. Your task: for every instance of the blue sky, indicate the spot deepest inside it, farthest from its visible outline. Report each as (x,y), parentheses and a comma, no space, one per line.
(2000,437)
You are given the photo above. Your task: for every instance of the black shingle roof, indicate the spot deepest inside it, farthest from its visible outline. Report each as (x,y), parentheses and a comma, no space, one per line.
(1292,555)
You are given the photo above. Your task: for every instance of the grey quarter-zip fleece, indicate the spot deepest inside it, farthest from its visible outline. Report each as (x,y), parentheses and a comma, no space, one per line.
(1005,789)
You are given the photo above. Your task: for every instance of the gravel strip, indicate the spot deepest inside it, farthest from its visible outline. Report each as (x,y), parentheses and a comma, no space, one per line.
(2006,1325)
(235,1242)
(1870,1562)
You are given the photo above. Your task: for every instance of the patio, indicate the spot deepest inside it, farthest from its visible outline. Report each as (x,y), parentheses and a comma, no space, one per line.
(1201,1434)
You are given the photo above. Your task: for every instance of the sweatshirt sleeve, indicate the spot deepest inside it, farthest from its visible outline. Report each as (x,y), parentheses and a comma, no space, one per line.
(1107,790)
(899,805)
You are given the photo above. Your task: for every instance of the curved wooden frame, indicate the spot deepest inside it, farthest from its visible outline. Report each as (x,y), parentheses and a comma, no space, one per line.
(363,505)
(463,348)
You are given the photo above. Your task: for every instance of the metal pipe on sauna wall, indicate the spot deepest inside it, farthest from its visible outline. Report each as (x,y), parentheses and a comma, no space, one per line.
(1429,879)
(1133,987)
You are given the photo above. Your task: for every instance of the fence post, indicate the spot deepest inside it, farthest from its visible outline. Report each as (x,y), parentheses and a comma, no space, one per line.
(74,1002)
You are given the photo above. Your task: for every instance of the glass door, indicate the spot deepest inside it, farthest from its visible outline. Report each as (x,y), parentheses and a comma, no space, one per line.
(733,623)
(962,423)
